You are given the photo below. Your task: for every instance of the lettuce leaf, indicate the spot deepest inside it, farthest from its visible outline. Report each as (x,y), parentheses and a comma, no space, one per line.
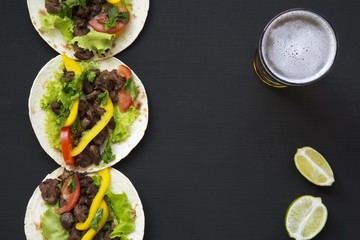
(95,41)
(51,228)
(123,122)
(52,21)
(123,212)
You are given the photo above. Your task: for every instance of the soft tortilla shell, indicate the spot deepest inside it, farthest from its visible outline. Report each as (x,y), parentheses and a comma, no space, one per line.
(119,183)
(38,116)
(55,39)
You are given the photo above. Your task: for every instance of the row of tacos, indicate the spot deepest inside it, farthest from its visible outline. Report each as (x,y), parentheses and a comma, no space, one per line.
(88,110)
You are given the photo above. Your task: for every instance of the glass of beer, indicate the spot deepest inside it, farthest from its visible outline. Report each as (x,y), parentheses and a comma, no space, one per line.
(296,48)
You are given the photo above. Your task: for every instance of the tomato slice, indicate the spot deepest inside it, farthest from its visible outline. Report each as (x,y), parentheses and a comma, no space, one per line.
(124,71)
(124,100)
(70,197)
(97,23)
(65,136)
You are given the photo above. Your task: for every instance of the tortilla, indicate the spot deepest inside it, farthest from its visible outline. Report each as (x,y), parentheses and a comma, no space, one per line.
(38,115)
(119,183)
(55,39)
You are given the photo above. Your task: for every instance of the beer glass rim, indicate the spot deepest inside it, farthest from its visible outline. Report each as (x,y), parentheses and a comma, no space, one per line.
(265,30)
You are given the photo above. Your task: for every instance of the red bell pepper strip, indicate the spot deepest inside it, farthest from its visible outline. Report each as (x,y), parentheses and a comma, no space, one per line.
(66,145)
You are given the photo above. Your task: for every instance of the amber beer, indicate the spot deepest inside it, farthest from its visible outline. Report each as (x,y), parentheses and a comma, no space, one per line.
(297,47)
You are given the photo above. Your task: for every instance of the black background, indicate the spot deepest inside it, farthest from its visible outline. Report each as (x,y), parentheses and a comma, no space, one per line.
(216,161)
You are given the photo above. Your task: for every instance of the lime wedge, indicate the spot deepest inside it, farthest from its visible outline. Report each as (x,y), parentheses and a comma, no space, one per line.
(305,217)
(313,166)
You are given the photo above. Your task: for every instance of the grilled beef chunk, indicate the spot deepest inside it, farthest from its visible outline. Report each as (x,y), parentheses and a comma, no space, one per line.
(91,97)
(50,191)
(65,175)
(83,200)
(90,155)
(81,31)
(91,191)
(101,137)
(53,6)
(55,107)
(81,212)
(67,220)
(94,152)
(81,53)
(68,75)
(111,124)
(75,234)
(83,160)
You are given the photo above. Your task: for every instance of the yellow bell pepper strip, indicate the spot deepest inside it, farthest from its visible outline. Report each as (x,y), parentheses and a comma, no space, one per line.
(105,182)
(91,134)
(72,65)
(90,234)
(113,2)
(73,113)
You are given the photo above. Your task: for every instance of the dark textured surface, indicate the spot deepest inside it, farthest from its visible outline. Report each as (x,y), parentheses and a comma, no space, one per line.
(216,161)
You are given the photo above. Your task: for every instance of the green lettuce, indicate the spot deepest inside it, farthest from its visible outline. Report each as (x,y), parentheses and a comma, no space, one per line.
(95,41)
(52,21)
(123,122)
(123,212)
(53,122)
(51,228)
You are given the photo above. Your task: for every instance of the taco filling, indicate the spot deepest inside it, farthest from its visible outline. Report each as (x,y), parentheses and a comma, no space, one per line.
(83,206)
(89,26)
(88,110)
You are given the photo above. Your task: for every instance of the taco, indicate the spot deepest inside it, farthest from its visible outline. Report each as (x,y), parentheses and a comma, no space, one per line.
(87,115)
(88,29)
(72,205)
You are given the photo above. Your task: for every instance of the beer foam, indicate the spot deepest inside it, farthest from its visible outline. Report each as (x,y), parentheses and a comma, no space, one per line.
(298,46)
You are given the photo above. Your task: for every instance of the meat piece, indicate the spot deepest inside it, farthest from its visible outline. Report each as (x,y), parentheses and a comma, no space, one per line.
(91,97)
(94,152)
(68,75)
(112,124)
(98,2)
(81,31)
(87,87)
(83,200)
(83,107)
(85,181)
(85,124)
(67,220)
(81,212)
(97,109)
(55,107)
(53,6)
(114,96)
(75,234)
(50,191)
(83,160)
(92,116)
(81,53)
(101,137)
(65,175)
(103,82)
(91,191)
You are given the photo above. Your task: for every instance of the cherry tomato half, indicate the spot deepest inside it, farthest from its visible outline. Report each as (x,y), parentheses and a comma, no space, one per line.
(65,137)
(97,23)
(70,197)
(124,71)
(124,100)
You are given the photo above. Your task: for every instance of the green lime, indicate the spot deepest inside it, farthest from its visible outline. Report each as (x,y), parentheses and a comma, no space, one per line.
(305,217)
(313,166)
